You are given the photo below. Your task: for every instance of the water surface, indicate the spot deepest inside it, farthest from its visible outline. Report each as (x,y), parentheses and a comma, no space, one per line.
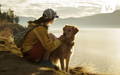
(96,47)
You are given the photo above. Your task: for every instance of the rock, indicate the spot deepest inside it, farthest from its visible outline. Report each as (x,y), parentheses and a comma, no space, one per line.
(6,44)
(83,71)
(11,64)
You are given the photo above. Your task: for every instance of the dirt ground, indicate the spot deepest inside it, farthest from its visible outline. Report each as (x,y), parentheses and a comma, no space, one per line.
(11,64)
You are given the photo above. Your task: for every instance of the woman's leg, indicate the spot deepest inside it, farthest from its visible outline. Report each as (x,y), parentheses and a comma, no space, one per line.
(46,56)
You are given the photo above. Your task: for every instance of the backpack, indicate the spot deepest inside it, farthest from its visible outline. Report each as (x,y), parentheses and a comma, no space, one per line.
(19,37)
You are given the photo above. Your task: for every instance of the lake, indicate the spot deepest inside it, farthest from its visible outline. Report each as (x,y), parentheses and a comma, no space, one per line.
(98,48)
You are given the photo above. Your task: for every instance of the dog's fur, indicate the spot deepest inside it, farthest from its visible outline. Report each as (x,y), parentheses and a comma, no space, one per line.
(64,51)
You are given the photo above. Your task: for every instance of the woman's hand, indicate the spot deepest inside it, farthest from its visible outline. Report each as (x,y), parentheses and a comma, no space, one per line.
(52,36)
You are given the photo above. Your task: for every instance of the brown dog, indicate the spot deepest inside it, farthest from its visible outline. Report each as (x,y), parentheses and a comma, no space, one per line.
(64,51)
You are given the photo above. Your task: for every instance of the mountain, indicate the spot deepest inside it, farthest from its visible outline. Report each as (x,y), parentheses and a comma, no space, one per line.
(23,20)
(98,20)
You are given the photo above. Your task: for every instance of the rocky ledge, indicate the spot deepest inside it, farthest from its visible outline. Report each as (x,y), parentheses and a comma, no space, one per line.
(11,64)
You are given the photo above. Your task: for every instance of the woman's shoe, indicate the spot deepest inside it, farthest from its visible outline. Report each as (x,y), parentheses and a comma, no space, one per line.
(48,64)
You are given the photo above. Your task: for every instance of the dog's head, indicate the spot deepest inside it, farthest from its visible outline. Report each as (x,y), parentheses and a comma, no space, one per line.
(70,32)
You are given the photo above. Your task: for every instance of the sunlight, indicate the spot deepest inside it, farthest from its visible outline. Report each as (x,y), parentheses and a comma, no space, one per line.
(109,6)
(117,39)
(87,7)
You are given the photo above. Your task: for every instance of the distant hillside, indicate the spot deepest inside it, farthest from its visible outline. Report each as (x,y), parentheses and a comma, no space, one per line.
(16,28)
(98,20)
(23,20)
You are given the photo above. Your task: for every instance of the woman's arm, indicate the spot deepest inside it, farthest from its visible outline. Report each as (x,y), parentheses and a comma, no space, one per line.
(47,42)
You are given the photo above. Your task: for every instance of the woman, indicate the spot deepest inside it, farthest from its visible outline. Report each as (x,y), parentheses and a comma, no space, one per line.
(37,45)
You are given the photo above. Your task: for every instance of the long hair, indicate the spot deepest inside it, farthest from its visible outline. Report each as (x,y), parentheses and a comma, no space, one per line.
(42,20)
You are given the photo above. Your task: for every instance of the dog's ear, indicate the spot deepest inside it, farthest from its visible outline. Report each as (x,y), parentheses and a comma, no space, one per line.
(65,27)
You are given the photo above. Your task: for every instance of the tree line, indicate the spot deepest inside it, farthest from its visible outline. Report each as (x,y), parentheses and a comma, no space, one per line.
(9,16)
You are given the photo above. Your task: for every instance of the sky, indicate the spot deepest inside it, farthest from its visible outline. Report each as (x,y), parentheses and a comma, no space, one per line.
(64,8)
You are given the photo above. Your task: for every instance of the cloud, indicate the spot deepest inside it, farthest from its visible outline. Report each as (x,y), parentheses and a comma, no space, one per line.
(77,12)
(65,8)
